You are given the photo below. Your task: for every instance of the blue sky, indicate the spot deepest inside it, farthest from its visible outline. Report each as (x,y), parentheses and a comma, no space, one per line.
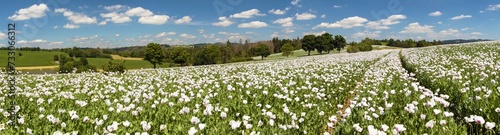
(93,23)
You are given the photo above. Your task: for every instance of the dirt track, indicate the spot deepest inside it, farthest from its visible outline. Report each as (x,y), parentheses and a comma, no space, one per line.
(36,67)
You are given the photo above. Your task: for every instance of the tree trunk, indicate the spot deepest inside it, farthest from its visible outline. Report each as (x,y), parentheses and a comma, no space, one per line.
(308,53)
(154,65)
(262,58)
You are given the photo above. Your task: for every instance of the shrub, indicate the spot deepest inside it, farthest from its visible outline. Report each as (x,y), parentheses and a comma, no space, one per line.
(114,67)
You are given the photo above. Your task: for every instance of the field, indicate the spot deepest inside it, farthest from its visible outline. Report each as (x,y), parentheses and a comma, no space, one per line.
(29,58)
(449,89)
(129,64)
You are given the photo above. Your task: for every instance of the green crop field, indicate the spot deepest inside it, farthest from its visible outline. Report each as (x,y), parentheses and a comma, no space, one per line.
(29,58)
(129,64)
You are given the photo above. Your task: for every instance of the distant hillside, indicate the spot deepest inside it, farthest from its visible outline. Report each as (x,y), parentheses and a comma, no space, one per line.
(458,41)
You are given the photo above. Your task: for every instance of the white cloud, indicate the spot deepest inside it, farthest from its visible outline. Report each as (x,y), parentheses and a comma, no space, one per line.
(384,23)
(115,17)
(461,17)
(22,42)
(464,29)
(275,34)
(337,6)
(34,11)
(223,22)
(116,8)
(295,2)
(155,19)
(71,26)
(279,11)
(323,16)
(2,36)
(449,32)
(476,33)
(139,11)
(80,39)
(38,41)
(208,36)
(76,18)
(56,27)
(117,35)
(369,34)
(345,23)
(247,14)
(187,36)
(185,19)
(288,30)
(493,7)
(56,43)
(304,16)
(437,13)
(102,23)
(254,24)
(440,22)
(164,34)
(227,33)
(314,33)
(201,31)
(417,28)
(285,22)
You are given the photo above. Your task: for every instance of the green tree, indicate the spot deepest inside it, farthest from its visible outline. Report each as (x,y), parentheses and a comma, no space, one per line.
(56,58)
(339,42)
(308,43)
(227,52)
(262,50)
(327,41)
(214,54)
(114,67)
(287,49)
(84,61)
(391,42)
(180,56)
(154,54)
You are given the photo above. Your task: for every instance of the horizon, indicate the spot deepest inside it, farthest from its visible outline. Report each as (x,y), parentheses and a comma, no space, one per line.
(114,24)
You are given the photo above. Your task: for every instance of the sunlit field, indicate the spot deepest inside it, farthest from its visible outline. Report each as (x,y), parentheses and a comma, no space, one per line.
(451,89)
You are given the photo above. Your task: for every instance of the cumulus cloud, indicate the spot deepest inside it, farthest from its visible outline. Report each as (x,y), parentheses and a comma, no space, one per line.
(285,22)
(369,34)
(476,33)
(247,14)
(345,23)
(116,17)
(116,8)
(2,36)
(254,24)
(384,23)
(288,30)
(223,22)
(337,6)
(34,11)
(493,7)
(164,34)
(139,11)
(417,28)
(185,19)
(187,36)
(71,26)
(279,11)
(296,3)
(155,19)
(76,18)
(314,33)
(304,16)
(437,13)
(462,16)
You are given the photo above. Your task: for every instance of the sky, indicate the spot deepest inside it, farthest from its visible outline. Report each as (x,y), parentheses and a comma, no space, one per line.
(119,23)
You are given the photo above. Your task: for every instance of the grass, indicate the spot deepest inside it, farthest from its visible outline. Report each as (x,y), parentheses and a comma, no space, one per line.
(129,64)
(29,58)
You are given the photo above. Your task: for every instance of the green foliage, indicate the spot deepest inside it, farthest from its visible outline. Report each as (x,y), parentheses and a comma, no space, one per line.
(114,67)
(56,58)
(287,49)
(154,54)
(327,41)
(339,42)
(352,49)
(84,61)
(180,56)
(308,43)
(262,50)
(209,55)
